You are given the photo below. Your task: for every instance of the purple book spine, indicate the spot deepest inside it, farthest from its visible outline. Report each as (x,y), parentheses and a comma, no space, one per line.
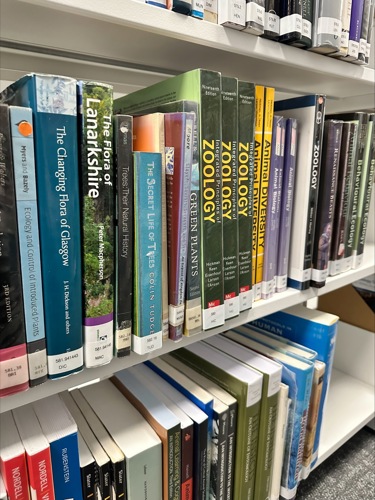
(286,205)
(273,208)
(355,29)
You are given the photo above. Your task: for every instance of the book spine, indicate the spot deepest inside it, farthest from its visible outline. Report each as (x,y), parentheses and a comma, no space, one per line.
(210,10)
(104,483)
(370,33)
(327,31)
(229,165)
(39,467)
(219,454)
(231,450)
(365,26)
(118,480)
(123,164)
(346,11)
(28,233)
(246,116)
(14,472)
(258,134)
(197,9)
(326,202)
(232,14)
(355,29)
(182,6)
(272,19)
(65,467)
(255,17)
(287,195)
(178,136)
(95,114)
(87,480)
(13,358)
(307,22)
(264,183)
(290,21)
(147,334)
(187,462)
(273,208)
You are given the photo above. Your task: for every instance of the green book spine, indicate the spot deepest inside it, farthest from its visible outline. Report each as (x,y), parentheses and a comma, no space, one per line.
(203,86)
(246,115)
(97,191)
(229,156)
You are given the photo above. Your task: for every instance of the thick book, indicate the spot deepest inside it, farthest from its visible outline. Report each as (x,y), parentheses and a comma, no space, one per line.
(370,34)
(13,465)
(219,394)
(269,98)
(204,87)
(346,10)
(309,111)
(61,432)
(246,119)
(355,30)
(271,239)
(178,132)
(298,374)
(54,103)
(271,372)
(327,27)
(162,420)
(149,136)
(314,329)
(286,203)
(102,480)
(272,19)
(232,14)
(13,357)
(245,384)
(305,42)
(97,220)
(254,17)
(124,209)
(22,131)
(133,435)
(366,25)
(229,168)
(88,469)
(201,398)
(344,183)
(147,330)
(117,472)
(257,170)
(290,21)
(210,10)
(38,454)
(326,201)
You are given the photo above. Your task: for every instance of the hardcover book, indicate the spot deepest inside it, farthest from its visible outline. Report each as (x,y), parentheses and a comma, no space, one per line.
(309,111)
(210,10)
(232,14)
(346,10)
(135,438)
(272,19)
(147,331)
(327,27)
(365,27)
(245,384)
(254,17)
(21,122)
(355,29)
(97,180)
(124,174)
(13,358)
(246,118)
(305,42)
(54,103)
(286,203)
(38,455)
(229,166)
(204,87)
(326,201)
(290,21)
(179,130)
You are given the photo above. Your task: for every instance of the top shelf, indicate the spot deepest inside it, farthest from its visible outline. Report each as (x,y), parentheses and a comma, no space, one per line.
(148,40)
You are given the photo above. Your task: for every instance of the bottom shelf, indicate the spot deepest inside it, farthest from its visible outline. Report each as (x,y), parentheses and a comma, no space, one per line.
(350,406)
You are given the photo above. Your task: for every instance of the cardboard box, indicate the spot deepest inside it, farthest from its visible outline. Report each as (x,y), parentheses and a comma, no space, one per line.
(350,306)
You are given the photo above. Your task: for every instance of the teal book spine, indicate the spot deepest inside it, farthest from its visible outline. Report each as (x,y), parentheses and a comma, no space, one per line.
(28,231)
(53,100)
(147,334)
(97,204)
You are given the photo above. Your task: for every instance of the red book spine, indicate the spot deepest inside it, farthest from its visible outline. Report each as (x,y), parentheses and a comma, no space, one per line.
(187,464)
(40,475)
(14,472)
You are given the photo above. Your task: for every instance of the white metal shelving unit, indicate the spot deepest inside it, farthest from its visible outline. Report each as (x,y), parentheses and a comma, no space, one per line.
(132,45)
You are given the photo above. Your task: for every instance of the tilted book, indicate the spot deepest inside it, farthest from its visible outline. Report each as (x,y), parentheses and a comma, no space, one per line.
(204,87)
(327,27)
(147,331)
(309,111)
(97,205)
(326,201)
(178,131)
(245,384)
(123,168)
(22,131)
(246,118)
(13,357)
(54,103)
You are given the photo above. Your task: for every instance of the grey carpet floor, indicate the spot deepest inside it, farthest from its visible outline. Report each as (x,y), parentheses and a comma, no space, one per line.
(348,474)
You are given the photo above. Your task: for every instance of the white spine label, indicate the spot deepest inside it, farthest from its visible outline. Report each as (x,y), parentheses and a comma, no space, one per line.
(37,364)
(176,314)
(272,22)
(362,46)
(193,318)
(319,275)
(144,345)
(246,300)
(329,25)
(213,317)
(344,39)
(353,48)
(232,307)
(123,338)
(306,28)
(289,24)
(255,13)
(65,362)
(98,346)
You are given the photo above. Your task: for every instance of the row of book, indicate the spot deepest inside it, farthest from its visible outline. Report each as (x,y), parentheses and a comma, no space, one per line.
(341,29)
(235,416)
(181,228)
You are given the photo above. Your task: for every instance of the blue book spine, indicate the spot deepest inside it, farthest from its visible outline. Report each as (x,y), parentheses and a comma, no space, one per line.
(53,100)
(147,334)
(28,231)
(65,468)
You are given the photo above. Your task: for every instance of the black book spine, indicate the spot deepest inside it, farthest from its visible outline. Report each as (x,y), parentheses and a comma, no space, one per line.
(123,149)
(272,19)
(88,475)
(118,480)
(200,460)
(231,449)
(104,481)
(290,21)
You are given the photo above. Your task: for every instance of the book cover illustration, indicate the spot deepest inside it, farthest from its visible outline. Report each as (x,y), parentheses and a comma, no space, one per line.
(13,357)
(96,161)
